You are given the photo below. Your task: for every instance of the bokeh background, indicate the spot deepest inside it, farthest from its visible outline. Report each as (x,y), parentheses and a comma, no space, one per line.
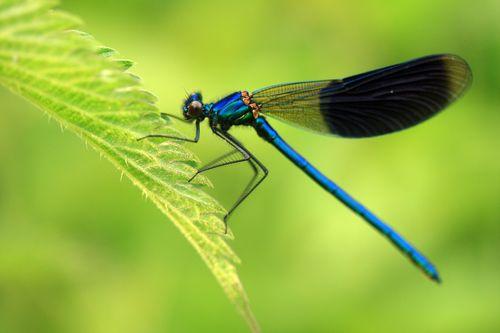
(82,251)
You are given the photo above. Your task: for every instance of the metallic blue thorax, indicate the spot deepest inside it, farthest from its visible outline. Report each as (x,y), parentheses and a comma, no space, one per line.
(229,111)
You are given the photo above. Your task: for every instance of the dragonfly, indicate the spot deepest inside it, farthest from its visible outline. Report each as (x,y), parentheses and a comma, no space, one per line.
(373,103)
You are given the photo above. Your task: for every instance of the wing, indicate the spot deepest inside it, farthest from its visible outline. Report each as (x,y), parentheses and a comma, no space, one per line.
(378,102)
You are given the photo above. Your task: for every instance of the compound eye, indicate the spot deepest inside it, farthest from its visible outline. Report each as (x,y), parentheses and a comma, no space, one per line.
(195,108)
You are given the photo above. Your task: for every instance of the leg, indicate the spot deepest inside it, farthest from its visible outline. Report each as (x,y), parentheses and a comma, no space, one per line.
(255,164)
(220,161)
(166,115)
(255,181)
(195,140)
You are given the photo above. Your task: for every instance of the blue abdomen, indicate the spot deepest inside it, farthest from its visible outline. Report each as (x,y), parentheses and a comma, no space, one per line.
(269,134)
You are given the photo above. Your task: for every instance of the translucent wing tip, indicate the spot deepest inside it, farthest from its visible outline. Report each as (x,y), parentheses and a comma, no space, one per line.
(459,74)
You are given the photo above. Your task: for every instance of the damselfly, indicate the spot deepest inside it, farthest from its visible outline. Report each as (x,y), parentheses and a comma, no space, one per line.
(374,103)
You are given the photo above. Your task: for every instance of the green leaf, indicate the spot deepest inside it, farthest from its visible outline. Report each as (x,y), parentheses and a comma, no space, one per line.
(67,74)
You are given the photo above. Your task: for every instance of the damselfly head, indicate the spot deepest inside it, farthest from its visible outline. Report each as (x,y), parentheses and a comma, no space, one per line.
(193,107)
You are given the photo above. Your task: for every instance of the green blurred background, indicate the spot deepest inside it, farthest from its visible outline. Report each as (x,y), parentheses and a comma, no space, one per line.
(82,251)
